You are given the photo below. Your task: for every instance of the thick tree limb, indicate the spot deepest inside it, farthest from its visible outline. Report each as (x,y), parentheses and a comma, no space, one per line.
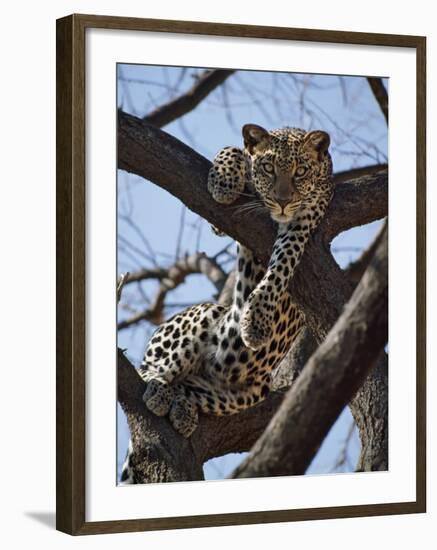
(328,381)
(353,173)
(292,364)
(369,408)
(169,163)
(319,286)
(206,82)
(158,452)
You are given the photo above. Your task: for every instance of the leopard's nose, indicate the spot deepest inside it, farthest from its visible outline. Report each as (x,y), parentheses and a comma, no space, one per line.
(283,190)
(283,203)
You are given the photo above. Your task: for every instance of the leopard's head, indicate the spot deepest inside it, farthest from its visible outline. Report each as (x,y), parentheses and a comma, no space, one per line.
(290,168)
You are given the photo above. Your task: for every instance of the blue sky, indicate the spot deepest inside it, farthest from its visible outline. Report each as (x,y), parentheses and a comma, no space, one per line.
(343,106)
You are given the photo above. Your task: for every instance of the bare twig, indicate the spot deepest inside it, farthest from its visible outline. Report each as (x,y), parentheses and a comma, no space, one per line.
(174,276)
(207,82)
(146,273)
(127,244)
(180,232)
(151,256)
(126,91)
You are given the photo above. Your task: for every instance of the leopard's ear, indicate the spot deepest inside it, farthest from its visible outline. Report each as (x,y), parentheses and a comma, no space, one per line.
(256,138)
(317,142)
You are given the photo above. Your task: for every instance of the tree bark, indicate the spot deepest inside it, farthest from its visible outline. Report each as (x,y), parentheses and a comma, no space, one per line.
(158,452)
(319,286)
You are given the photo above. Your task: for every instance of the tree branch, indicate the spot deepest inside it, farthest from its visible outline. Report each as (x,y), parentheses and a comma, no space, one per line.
(380,93)
(354,271)
(206,82)
(328,381)
(171,278)
(120,284)
(353,173)
(292,364)
(319,287)
(159,453)
(227,293)
(156,156)
(158,273)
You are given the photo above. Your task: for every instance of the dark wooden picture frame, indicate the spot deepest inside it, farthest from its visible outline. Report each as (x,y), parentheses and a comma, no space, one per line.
(71,248)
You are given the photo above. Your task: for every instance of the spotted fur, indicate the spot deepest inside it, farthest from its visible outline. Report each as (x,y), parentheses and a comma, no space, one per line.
(219,360)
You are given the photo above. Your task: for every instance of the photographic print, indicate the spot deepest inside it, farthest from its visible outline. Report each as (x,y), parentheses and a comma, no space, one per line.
(237,357)
(229,348)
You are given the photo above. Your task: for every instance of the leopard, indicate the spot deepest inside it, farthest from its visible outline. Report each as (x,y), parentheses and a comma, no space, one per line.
(219,360)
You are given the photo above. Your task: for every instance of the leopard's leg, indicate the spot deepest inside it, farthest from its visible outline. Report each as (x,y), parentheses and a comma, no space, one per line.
(225,399)
(232,358)
(259,309)
(174,351)
(227,177)
(250,272)
(197,393)
(184,413)
(234,377)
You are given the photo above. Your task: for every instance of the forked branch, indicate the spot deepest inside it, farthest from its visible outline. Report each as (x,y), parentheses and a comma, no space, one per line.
(319,287)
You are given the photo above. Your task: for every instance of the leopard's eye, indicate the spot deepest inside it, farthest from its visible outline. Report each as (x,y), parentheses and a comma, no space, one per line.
(268,167)
(301,171)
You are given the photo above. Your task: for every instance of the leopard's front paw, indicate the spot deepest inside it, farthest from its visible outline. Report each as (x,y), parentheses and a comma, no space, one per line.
(158,397)
(255,324)
(184,416)
(227,176)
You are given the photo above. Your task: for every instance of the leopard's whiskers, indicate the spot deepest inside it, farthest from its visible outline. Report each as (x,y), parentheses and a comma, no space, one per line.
(253,208)
(290,208)
(249,203)
(250,207)
(242,194)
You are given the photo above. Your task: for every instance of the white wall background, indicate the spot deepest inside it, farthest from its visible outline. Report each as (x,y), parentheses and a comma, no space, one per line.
(27,205)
